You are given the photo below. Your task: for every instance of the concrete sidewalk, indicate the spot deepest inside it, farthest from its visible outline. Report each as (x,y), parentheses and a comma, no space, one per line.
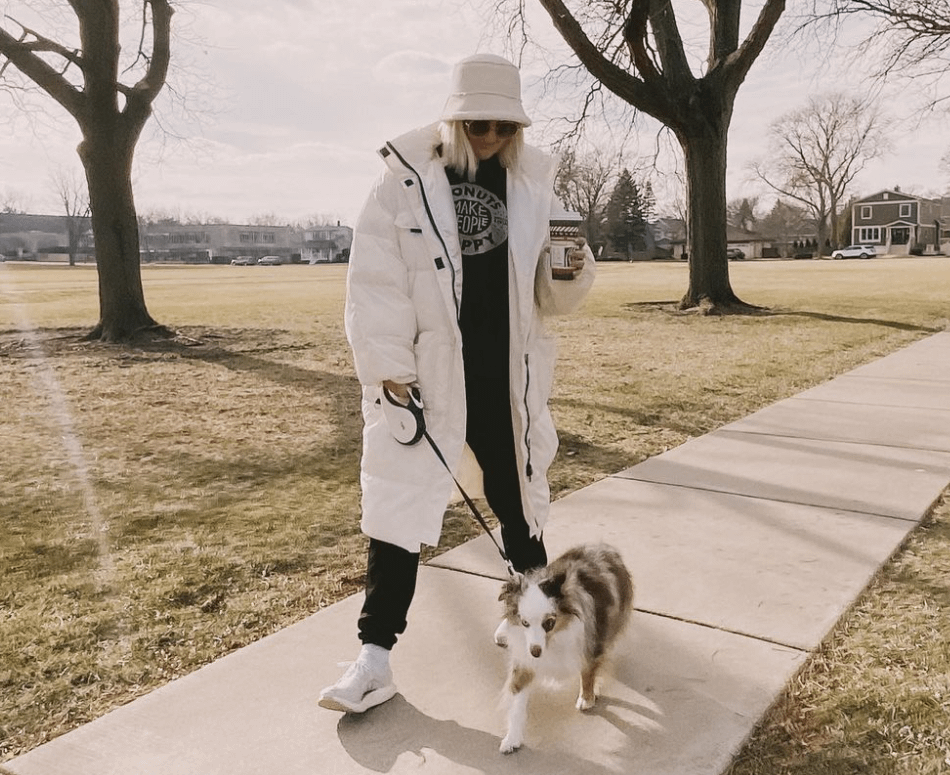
(746,546)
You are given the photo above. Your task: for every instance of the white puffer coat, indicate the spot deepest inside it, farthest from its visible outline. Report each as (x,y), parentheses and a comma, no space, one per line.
(404,290)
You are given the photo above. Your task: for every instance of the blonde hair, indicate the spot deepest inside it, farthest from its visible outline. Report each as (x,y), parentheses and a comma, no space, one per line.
(458,154)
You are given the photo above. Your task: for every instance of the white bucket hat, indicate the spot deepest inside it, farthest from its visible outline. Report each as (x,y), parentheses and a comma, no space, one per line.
(485,87)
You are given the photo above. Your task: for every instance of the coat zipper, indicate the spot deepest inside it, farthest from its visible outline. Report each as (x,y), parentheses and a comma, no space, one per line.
(529,471)
(527,413)
(431,217)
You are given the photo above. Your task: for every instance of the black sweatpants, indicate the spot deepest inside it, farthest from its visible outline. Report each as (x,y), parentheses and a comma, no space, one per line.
(391,571)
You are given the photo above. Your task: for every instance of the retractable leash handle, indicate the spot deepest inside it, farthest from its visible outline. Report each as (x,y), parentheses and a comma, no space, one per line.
(405,419)
(407,424)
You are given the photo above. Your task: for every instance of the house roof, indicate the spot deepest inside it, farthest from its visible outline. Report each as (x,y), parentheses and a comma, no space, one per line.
(17,223)
(734,234)
(893,195)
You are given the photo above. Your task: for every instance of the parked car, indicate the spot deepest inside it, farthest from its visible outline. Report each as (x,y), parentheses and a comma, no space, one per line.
(855,251)
(242,261)
(269,261)
(734,254)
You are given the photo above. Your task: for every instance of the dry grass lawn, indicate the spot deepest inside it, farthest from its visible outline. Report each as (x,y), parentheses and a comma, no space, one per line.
(163,505)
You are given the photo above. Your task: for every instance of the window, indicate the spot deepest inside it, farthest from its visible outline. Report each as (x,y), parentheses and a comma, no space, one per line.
(870,234)
(905,211)
(866,213)
(267,237)
(187,238)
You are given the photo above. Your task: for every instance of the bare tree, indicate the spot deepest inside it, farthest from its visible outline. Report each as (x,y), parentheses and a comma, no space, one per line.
(73,195)
(583,184)
(634,48)
(742,213)
(266,219)
(786,223)
(87,82)
(910,39)
(12,202)
(817,151)
(320,219)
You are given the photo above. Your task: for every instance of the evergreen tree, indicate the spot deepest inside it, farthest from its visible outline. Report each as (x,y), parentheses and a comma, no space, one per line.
(626,224)
(648,202)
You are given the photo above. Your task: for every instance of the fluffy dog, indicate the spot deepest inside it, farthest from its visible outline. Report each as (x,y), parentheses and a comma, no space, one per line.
(560,621)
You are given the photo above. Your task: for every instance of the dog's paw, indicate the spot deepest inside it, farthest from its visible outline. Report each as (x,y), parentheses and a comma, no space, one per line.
(585,703)
(501,634)
(510,744)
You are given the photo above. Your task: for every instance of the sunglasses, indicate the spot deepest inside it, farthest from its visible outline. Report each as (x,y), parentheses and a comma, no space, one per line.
(503,129)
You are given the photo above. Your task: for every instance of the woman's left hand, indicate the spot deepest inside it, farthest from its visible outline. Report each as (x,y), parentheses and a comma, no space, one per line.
(578,256)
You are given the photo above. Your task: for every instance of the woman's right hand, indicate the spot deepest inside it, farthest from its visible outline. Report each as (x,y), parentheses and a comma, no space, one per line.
(397,389)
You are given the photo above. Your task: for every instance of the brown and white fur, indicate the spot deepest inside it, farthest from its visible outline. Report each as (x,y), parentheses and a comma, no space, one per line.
(560,621)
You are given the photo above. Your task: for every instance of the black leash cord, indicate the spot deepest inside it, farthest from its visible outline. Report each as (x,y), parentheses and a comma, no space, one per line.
(408,434)
(471,504)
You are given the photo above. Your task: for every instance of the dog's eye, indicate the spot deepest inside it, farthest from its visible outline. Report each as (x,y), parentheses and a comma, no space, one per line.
(548,624)
(525,623)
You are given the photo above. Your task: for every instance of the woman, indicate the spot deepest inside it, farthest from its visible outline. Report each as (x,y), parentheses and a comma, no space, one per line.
(447,285)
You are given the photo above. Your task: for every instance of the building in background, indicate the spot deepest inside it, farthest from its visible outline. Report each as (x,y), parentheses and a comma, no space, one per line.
(220,243)
(215,243)
(900,224)
(325,244)
(26,237)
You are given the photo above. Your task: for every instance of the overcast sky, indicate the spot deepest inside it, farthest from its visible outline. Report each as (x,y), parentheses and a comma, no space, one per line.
(289,100)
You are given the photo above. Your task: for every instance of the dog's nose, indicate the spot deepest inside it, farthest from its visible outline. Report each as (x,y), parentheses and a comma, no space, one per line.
(536,651)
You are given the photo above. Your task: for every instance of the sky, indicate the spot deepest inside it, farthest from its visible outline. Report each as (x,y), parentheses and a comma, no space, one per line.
(280,107)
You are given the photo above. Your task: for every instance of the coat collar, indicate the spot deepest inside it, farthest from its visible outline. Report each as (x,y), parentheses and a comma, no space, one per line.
(418,148)
(530,193)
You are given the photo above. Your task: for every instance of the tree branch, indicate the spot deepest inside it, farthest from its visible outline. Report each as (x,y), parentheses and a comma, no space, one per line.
(42,44)
(635,35)
(723,28)
(790,193)
(151,84)
(22,54)
(619,81)
(739,64)
(669,44)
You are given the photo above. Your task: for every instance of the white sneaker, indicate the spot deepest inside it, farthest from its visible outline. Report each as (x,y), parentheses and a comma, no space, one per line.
(361,687)
(501,634)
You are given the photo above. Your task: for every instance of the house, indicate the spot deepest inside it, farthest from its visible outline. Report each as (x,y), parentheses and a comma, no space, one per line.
(43,237)
(752,244)
(669,237)
(322,244)
(898,223)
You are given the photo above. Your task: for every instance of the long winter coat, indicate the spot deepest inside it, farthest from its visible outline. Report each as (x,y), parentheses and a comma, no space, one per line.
(404,290)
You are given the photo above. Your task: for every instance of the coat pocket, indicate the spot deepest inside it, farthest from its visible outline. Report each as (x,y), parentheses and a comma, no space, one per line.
(436,374)
(412,244)
(541,437)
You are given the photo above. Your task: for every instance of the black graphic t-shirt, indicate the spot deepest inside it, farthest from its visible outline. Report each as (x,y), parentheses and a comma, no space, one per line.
(482,212)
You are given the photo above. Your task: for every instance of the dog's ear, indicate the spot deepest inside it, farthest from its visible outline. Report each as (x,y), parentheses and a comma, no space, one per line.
(552,586)
(513,586)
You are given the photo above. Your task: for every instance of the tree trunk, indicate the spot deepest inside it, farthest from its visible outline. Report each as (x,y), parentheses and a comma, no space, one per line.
(822,237)
(704,147)
(107,160)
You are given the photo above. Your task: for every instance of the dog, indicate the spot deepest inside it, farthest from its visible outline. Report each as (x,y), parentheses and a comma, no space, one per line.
(562,620)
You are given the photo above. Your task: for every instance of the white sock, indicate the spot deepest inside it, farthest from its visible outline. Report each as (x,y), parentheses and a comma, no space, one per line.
(374,656)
